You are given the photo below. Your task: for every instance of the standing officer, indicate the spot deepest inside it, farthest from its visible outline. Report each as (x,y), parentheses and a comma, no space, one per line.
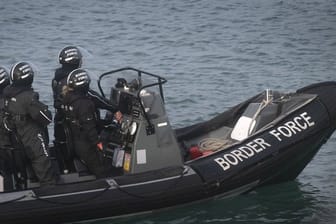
(70,58)
(4,81)
(80,112)
(28,118)
(5,157)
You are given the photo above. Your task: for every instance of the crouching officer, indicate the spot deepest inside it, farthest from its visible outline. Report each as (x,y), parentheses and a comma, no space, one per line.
(80,112)
(28,119)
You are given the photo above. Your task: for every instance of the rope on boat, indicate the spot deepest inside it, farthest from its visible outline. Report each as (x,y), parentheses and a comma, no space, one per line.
(212,144)
(117,186)
(13,200)
(97,195)
(72,203)
(261,107)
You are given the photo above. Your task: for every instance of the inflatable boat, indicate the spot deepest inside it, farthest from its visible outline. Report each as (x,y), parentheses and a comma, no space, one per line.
(267,139)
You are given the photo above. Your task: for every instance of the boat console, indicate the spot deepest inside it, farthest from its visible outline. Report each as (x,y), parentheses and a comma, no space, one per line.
(144,140)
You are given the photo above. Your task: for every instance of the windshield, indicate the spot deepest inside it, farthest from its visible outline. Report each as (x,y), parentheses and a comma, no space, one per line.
(131,79)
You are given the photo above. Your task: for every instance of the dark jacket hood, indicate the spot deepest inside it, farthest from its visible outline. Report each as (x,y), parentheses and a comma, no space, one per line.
(64,71)
(11,91)
(72,96)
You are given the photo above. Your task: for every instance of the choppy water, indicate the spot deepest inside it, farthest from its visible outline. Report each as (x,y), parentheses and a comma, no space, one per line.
(214,54)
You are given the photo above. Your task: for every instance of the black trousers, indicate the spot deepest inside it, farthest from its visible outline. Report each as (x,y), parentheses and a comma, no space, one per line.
(36,149)
(6,168)
(58,127)
(89,154)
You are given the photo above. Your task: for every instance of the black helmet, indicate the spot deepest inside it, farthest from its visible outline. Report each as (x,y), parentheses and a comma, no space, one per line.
(79,80)
(70,55)
(4,78)
(22,74)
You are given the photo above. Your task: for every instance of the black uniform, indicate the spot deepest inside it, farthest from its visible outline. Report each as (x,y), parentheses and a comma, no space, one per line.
(80,111)
(4,136)
(58,82)
(5,156)
(28,118)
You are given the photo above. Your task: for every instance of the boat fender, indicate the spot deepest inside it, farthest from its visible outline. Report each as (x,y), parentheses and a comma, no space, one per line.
(195,152)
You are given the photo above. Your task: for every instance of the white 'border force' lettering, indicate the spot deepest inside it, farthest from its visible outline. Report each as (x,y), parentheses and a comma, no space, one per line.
(242,153)
(290,128)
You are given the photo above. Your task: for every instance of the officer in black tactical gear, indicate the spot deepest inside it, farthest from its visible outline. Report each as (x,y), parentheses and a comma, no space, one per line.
(28,118)
(80,112)
(5,156)
(4,81)
(70,58)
